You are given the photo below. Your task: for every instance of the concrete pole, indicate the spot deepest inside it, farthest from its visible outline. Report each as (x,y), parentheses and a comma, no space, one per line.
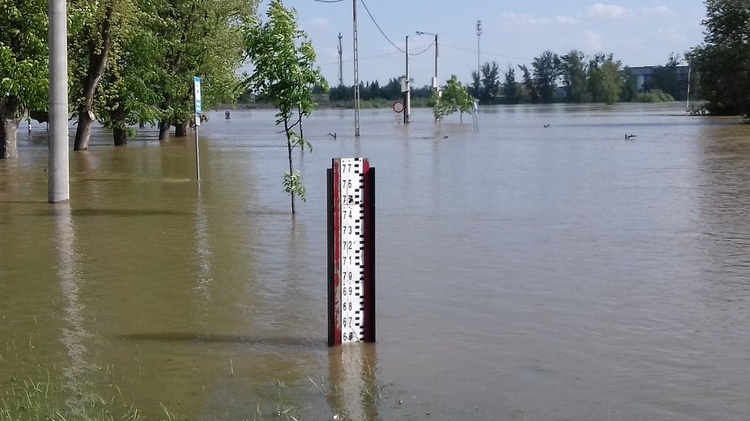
(355,41)
(59,173)
(437,81)
(407,110)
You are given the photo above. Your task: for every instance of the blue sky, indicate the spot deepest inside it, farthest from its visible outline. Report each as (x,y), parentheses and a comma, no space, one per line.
(637,32)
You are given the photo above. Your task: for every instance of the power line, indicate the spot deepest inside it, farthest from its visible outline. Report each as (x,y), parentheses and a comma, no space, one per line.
(379,29)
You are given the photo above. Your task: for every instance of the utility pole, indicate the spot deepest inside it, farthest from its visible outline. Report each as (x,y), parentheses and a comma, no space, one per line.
(479,65)
(341,63)
(58,181)
(407,108)
(356,70)
(435,80)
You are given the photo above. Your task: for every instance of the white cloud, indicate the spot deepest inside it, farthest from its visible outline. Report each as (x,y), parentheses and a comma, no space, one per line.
(592,42)
(566,20)
(659,12)
(522,20)
(607,11)
(321,23)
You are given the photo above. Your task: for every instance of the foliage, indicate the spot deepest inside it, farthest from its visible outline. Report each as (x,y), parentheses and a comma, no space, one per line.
(573,74)
(24,72)
(545,75)
(283,58)
(490,86)
(510,87)
(629,86)
(722,61)
(527,82)
(655,95)
(455,98)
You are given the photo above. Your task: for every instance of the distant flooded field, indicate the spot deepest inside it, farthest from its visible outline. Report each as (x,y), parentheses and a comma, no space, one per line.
(524,272)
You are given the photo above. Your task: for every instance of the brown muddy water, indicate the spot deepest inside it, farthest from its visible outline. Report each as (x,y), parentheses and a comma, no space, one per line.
(528,273)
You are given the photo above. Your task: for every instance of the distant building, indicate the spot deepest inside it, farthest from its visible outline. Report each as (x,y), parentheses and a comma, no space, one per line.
(644,76)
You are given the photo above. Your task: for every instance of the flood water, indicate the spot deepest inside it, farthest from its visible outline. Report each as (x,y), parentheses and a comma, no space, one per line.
(523,272)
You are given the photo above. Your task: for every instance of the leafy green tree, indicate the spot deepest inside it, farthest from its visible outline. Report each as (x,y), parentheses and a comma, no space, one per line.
(722,61)
(629,86)
(594,79)
(490,82)
(665,77)
(573,74)
(510,87)
(611,81)
(95,38)
(528,84)
(283,58)
(545,75)
(455,97)
(24,72)
(194,38)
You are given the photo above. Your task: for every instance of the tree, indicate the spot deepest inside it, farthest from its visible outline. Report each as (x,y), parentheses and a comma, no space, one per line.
(605,78)
(722,61)
(490,82)
(528,85)
(510,87)
(612,81)
(455,98)
(283,58)
(95,37)
(24,73)
(545,75)
(665,77)
(573,73)
(629,86)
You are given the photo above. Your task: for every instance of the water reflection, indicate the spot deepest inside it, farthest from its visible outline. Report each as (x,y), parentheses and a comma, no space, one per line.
(72,335)
(204,275)
(355,389)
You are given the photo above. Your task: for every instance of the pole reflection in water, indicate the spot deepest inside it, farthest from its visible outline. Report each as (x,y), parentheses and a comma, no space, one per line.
(203,255)
(355,389)
(73,336)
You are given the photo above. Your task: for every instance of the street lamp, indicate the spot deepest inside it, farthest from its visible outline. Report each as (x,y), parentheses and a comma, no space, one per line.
(435,83)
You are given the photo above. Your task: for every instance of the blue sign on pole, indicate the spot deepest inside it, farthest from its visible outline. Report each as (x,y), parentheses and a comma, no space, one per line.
(197,94)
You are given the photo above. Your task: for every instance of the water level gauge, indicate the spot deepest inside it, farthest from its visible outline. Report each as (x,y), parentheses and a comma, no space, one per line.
(351,251)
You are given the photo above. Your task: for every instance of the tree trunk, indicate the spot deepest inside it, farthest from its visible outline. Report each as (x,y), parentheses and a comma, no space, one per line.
(289,154)
(119,127)
(180,130)
(97,63)
(9,113)
(83,131)
(8,138)
(164,127)
(120,136)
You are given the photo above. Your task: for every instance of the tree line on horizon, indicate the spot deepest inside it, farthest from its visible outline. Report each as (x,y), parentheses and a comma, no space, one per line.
(131,62)
(572,77)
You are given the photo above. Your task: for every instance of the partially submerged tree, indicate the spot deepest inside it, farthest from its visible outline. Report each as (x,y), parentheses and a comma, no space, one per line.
(23,65)
(283,58)
(97,30)
(455,98)
(722,61)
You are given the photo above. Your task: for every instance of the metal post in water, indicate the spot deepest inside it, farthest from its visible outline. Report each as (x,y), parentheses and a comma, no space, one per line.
(198,111)
(58,179)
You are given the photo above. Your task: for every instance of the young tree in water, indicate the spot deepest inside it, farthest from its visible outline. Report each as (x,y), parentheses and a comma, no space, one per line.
(24,72)
(283,58)
(455,98)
